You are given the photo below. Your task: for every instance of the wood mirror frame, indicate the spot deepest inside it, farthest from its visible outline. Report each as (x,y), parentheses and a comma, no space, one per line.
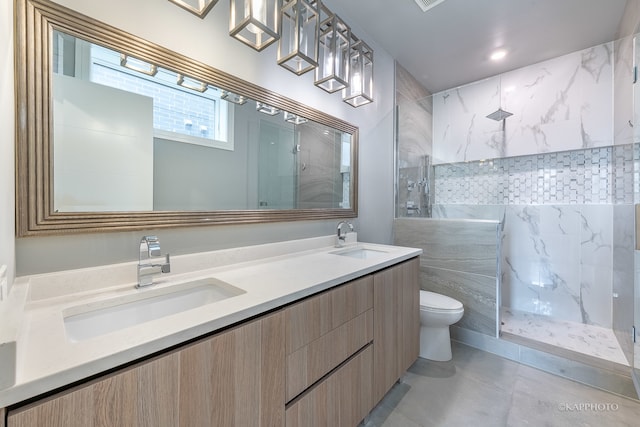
(35,21)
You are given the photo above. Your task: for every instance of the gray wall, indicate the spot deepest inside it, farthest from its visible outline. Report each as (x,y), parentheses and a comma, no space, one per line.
(7,136)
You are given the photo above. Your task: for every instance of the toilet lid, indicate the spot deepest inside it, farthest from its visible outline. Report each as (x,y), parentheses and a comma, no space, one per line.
(438,301)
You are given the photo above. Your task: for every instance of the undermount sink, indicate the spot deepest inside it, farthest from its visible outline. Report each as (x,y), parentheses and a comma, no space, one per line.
(360,252)
(98,318)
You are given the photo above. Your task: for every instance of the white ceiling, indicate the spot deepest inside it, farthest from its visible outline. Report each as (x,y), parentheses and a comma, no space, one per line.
(450,44)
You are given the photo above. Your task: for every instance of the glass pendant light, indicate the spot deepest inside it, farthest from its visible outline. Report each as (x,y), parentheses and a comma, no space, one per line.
(189,83)
(332,73)
(138,65)
(294,118)
(255,22)
(267,109)
(199,8)
(233,97)
(360,89)
(298,44)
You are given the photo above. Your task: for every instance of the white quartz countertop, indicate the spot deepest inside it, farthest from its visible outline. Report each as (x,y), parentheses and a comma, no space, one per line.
(271,275)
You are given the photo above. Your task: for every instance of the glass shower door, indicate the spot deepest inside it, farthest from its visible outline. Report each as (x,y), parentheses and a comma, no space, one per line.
(277,167)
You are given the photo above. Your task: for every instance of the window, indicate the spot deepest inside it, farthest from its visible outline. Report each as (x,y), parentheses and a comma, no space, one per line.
(180,112)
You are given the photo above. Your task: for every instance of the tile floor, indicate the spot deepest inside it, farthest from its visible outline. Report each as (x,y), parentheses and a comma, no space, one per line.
(480,389)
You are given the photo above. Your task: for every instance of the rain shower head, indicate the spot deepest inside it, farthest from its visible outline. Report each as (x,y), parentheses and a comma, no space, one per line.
(499,115)
(428,4)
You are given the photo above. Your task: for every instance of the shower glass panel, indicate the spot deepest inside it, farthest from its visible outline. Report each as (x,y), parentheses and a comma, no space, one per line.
(636,196)
(277,168)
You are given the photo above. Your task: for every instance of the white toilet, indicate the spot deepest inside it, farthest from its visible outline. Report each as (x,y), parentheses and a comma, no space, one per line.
(437,313)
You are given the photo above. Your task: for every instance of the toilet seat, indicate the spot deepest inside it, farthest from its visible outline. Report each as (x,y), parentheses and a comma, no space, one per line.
(431,301)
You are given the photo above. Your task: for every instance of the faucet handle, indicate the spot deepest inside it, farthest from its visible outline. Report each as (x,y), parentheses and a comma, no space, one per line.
(166,267)
(154,245)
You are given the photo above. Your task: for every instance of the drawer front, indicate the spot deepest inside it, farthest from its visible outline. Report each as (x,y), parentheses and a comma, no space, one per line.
(314,317)
(308,364)
(343,399)
(325,330)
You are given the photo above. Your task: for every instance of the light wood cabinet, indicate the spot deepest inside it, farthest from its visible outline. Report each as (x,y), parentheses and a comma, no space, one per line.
(230,379)
(327,359)
(396,324)
(236,378)
(343,399)
(325,330)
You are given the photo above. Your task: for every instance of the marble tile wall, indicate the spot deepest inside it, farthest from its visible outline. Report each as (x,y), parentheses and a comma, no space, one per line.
(556,259)
(561,104)
(460,260)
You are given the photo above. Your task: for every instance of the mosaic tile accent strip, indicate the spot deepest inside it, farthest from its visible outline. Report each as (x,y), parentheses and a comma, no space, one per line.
(602,175)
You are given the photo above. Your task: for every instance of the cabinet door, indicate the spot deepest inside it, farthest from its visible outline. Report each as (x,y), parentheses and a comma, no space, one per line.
(235,378)
(396,324)
(342,399)
(230,379)
(409,274)
(141,396)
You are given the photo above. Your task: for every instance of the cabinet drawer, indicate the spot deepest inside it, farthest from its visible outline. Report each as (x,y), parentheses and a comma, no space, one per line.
(314,317)
(343,399)
(325,330)
(308,364)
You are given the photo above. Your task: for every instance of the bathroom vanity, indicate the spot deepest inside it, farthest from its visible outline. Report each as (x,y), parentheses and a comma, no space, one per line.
(318,334)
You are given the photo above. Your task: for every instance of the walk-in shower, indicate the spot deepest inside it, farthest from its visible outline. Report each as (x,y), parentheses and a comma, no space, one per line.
(560,185)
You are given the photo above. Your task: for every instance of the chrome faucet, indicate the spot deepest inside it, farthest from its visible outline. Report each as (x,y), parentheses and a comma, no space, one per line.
(342,237)
(150,249)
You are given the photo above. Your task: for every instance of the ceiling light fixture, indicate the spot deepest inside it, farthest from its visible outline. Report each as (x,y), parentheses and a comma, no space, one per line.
(267,109)
(332,73)
(498,55)
(189,83)
(310,37)
(298,44)
(199,8)
(233,97)
(138,65)
(294,118)
(255,22)
(360,89)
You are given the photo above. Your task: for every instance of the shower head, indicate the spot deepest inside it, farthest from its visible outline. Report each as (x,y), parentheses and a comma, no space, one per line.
(428,4)
(499,115)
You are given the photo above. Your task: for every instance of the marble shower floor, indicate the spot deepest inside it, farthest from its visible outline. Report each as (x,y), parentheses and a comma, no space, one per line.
(593,341)
(481,389)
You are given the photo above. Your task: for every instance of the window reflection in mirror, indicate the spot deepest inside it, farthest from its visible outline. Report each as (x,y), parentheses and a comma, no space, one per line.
(133,136)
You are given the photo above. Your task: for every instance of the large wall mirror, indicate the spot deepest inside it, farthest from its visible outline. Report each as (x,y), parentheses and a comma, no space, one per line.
(116,133)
